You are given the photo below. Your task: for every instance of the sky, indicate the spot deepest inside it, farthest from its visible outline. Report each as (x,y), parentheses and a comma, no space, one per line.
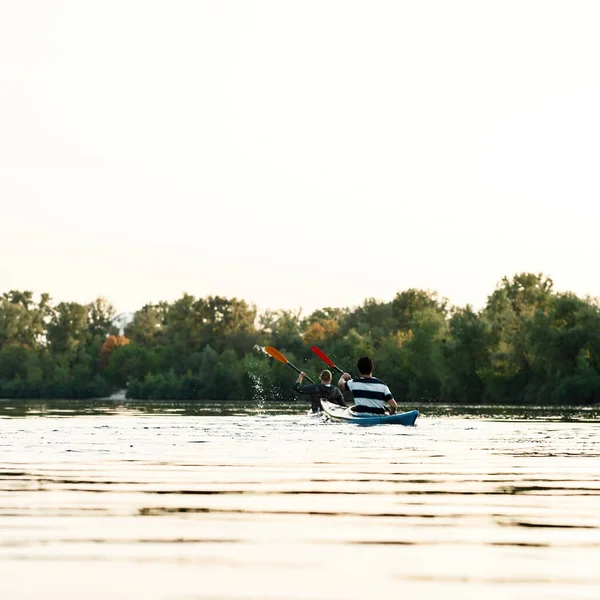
(297,154)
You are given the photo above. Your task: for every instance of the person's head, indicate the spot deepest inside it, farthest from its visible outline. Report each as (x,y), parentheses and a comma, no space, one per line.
(326,376)
(364,365)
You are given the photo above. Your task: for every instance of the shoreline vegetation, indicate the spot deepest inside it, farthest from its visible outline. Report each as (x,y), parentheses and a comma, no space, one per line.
(529,345)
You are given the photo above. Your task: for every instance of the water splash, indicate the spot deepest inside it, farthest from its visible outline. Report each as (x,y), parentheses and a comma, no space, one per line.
(258,394)
(259,374)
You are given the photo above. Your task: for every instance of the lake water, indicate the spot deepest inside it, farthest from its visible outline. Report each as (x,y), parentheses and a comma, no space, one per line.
(171,501)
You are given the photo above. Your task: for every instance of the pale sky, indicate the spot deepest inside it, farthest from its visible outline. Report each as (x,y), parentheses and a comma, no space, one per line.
(297,154)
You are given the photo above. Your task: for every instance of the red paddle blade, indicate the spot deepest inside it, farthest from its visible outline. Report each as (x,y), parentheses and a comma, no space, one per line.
(322,356)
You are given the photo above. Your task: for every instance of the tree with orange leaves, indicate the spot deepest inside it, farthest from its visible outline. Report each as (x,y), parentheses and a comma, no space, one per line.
(111,343)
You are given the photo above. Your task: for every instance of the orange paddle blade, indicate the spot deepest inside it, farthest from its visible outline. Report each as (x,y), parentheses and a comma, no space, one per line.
(274,353)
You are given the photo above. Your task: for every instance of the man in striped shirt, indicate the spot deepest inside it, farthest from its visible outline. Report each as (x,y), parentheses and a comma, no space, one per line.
(370,394)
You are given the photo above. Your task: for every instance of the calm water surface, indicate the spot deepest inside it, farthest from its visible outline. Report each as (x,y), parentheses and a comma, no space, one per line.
(222,501)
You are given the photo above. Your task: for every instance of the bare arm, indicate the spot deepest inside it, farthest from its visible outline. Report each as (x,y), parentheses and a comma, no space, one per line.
(393,406)
(304,389)
(342,381)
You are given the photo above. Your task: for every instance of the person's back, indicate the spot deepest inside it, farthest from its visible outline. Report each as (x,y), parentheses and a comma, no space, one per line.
(320,391)
(370,394)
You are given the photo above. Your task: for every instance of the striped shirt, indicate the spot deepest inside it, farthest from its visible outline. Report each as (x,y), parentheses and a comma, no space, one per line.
(369,391)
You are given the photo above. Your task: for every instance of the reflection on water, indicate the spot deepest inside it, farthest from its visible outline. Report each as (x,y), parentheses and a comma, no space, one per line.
(205,500)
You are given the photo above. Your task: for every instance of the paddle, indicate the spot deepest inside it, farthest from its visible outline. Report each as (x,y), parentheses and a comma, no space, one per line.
(274,353)
(325,358)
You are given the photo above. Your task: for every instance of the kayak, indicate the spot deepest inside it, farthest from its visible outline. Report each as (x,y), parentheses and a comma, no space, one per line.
(341,413)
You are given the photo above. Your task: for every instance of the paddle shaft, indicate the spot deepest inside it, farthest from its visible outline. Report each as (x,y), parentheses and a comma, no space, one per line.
(299,371)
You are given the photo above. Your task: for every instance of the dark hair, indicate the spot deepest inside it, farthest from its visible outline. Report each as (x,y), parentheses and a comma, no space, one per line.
(326,375)
(364,365)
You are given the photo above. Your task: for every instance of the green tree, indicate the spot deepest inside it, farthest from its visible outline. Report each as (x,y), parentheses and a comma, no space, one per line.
(101,314)
(407,304)
(131,362)
(425,355)
(148,325)
(21,320)
(282,329)
(67,331)
(510,311)
(466,356)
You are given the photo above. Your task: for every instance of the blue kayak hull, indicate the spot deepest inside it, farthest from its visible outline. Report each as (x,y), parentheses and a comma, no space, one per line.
(340,413)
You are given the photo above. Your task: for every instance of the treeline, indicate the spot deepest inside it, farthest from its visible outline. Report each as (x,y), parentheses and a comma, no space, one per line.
(528,345)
